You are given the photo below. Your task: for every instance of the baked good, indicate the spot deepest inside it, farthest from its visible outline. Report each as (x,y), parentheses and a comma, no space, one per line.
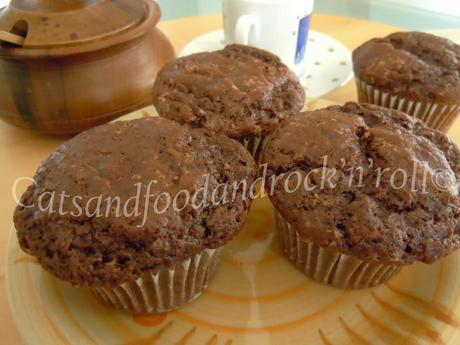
(414,72)
(240,91)
(362,209)
(126,228)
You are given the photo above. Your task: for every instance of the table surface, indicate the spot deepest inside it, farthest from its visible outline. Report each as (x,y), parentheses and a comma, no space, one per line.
(22,151)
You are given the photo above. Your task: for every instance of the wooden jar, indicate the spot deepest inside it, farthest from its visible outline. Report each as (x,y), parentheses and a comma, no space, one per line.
(68,65)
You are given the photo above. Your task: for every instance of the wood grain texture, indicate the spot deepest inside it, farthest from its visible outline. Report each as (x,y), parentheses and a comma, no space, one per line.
(83,63)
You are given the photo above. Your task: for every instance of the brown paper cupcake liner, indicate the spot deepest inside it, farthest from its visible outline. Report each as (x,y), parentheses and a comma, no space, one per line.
(254,145)
(166,288)
(437,116)
(329,267)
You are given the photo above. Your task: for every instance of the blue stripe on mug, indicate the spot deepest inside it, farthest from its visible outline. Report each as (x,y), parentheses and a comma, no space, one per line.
(304,28)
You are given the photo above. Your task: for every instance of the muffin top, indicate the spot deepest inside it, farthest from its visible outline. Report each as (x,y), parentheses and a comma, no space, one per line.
(415,65)
(110,172)
(374,183)
(239,91)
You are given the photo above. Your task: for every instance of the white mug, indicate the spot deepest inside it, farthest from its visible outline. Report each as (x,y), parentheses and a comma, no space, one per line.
(279,26)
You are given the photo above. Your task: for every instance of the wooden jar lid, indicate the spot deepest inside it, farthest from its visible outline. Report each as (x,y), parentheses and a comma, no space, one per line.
(58,24)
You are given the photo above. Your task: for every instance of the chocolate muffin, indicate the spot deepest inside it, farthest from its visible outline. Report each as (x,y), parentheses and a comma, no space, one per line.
(140,223)
(414,72)
(242,92)
(361,191)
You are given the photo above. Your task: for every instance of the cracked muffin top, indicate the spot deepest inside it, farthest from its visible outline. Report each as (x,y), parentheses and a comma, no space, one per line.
(239,91)
(415,65)
(374,183)
(106,243)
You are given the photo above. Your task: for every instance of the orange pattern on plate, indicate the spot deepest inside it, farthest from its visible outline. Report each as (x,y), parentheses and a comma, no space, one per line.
(258,297)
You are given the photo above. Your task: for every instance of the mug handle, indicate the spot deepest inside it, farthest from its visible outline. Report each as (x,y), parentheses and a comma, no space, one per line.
(246,25)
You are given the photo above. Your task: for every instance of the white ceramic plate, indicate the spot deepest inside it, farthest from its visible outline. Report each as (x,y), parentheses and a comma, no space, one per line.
(328,65)
(451,34)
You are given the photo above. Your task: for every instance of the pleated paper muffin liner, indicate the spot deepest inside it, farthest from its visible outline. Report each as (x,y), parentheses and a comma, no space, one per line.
(434,115)
(254,145)
(330,267)
(166,288)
